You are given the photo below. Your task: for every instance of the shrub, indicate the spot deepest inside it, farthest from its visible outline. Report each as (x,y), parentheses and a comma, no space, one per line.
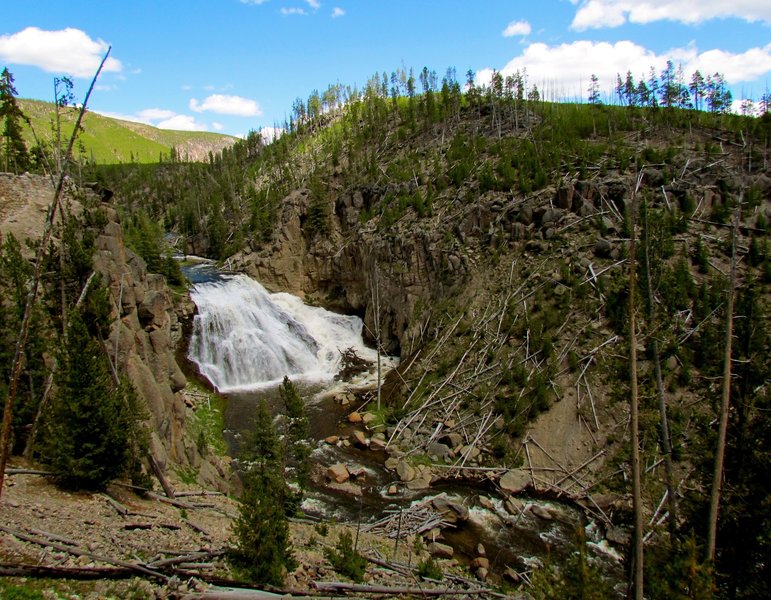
(345,560)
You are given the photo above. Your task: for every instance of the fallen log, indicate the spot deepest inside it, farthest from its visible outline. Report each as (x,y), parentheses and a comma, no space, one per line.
(341,586)
(185,558)
(239,594)
(25,570)
(78,552)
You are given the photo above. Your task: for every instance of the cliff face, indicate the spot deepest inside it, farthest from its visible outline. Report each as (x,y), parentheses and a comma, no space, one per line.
(345,269)
(144,336)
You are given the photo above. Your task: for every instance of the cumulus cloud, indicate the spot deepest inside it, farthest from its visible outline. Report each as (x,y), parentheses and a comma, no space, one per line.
(182,123)
(255,2)
(337,12)
(314,4)
(612,13)
(217,126)
(271,134)
(227,105)
(160,118)
(293,11)
(155,114)
(69,51)
(565,69)
(517,28)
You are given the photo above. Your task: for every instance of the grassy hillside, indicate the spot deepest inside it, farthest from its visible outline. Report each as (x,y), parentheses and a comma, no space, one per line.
(110,141)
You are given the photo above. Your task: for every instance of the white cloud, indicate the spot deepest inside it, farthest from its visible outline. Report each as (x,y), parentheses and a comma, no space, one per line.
(337,12)
(293,11)
(271,134)
(69,51)
(314,4)
(182,123)
(227,105)
(217,126)
(255,2)
(517,28)
(612,13)
(160,118)
(564,70)
(155,114)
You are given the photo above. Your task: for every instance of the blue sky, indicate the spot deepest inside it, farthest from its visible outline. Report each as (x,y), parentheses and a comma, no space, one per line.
(237,65)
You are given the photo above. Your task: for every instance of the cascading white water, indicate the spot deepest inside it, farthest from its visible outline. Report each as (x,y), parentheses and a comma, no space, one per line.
(245,338)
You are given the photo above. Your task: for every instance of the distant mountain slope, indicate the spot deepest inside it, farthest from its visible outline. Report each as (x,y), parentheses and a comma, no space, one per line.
(111,141)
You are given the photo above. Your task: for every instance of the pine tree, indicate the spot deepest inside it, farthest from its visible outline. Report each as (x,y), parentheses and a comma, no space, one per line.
(263,550)
(594,91)
(88,426)
(297,430)
(14,150)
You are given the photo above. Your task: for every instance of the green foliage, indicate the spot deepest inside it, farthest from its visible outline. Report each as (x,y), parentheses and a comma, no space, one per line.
(429,569)
(344,558)
(88,426)
(297,449)
(262,550)
(13,151)
(11,591)
(576,579)
(15,273)
(676,573)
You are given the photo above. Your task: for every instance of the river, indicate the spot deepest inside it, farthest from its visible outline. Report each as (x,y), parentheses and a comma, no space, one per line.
(245,340)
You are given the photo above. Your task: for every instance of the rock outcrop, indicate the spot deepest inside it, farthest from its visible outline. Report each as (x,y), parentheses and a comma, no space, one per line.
(144,336)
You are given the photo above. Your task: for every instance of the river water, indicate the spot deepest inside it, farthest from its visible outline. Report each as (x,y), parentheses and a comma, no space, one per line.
(245,340)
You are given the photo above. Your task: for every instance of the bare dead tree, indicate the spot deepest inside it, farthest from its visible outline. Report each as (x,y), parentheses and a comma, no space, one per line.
(21,342)
(666,446)
(634,405)
(717,478)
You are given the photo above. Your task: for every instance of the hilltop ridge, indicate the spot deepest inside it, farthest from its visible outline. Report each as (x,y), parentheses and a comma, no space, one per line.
(109,140)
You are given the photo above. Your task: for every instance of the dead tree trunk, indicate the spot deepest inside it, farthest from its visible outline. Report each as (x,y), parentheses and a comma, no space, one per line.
(5,433)
(717,478)
(666,446)
(634,412)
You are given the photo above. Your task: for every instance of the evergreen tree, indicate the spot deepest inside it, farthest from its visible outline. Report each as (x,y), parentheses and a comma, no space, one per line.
(263,550)
(14,151)
(594,91)
(697,88)
(88,426)
(297,430)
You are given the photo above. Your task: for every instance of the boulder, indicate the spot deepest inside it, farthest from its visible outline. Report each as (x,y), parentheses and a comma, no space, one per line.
(603,248)
(541,512)
(354,417)
(368,418)
(332,439)
(338,473)
(419,483)
(360,439)
(514,481)
(619,535)
(485,502)
(480,562)
(514,505)
(439,451)
(405,471)
(440,550)
(453,510)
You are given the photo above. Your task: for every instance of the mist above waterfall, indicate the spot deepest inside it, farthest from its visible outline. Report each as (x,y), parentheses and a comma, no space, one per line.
(245,338)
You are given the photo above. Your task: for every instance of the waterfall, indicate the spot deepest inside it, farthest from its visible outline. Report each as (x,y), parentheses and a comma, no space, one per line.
(245,338)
